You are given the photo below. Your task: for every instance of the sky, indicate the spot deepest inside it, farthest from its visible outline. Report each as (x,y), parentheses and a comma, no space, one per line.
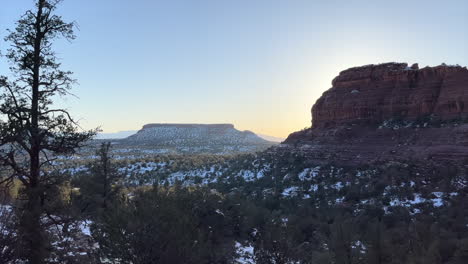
(258,64)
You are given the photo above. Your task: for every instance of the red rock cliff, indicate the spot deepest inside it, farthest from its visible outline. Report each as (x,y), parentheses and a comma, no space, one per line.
(374,93)
(349,119)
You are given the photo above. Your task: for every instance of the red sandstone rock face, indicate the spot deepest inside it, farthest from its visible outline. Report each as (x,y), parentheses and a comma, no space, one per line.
(375,93)
(346,119)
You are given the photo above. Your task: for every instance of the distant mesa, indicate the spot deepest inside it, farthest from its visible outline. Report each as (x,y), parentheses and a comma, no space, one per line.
(188,126)
(117,135)
(271,138)
(389,111)
(197,138)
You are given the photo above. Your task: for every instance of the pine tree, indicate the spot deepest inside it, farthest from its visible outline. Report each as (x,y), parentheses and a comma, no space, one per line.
(32,131)
(101,185)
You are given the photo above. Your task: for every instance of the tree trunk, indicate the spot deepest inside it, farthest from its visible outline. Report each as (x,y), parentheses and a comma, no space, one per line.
(35,236)
(33,233)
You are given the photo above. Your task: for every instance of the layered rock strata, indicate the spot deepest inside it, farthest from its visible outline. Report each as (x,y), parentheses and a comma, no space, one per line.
(389,112)
(374,93)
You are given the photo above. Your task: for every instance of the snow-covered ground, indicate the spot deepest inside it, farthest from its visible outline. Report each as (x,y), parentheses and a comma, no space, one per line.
(246,253)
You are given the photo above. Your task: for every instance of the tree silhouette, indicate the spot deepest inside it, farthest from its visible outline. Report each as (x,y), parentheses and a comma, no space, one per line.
(101,186)
(32,131)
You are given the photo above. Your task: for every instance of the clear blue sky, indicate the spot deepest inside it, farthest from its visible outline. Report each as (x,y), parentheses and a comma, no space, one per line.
(259,64)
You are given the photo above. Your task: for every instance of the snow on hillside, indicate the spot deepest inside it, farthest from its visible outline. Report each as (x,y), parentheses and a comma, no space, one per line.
(197,138)
(195,134)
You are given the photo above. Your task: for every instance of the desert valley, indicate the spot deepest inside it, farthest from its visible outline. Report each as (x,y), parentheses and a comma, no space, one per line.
(378,176)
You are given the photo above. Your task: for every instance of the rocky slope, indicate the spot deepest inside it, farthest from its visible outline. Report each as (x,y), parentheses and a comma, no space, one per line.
(389,112)
(197,138)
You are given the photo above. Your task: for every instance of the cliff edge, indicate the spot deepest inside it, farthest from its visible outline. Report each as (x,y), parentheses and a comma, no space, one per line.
(389,112)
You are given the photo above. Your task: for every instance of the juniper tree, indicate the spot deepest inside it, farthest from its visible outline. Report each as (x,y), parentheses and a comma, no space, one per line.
(101,185)
(32,131)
